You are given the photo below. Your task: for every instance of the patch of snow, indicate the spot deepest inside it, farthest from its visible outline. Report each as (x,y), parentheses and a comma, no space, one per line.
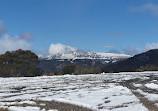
(149,96)
(132,107)
(52,110)
(27,102)
(156,104)
(42,104)
(102,92)
(28,108)
(137,85)
(152,86)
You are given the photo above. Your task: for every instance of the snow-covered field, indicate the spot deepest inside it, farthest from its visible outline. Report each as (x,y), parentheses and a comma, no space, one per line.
(126,91)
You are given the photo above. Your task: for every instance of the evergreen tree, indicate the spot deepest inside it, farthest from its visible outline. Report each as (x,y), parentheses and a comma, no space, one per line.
(19,63)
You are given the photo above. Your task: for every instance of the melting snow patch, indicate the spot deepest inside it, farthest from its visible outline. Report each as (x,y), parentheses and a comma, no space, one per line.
(132,107)
(52,110)
(102,92)
(152,86)
(137,85)
(103,99)
(42,104)
(27,102)
(149,96)
(28,108)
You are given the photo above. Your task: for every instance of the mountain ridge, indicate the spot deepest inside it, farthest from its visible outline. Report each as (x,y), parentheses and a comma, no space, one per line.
(84,55)
(53,63)
(147,60)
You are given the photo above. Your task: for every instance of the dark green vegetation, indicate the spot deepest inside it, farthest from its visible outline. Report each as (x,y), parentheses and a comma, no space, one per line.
(76,69)
(55,65)
(24,63)
(147,61)
(20,63)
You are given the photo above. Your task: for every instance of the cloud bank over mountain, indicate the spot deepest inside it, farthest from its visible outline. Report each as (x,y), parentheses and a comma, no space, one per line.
(60,48)
(151,46)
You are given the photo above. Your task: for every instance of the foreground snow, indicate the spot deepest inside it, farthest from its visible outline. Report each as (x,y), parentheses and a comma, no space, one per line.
(97,92)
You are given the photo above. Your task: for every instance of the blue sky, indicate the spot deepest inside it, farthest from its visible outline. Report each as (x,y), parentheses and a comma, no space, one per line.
(122,26)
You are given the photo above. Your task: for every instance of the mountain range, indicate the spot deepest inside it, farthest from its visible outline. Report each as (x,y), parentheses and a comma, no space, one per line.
(85,55)
(53,63)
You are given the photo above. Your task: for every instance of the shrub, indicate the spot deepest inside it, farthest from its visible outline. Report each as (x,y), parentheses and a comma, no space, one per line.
(68,69)
(148,68)
(76,69)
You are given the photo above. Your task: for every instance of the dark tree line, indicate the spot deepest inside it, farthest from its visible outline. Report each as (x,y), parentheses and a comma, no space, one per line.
(77,69)
(19,63)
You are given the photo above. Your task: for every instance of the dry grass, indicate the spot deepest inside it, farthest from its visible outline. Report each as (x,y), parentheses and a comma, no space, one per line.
(3,109)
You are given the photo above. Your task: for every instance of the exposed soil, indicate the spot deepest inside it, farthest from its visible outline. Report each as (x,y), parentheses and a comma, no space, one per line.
(60,106)
(3,109)
(51,105)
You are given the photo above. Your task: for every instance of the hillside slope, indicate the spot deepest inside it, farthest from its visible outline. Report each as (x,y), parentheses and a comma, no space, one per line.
(149,58)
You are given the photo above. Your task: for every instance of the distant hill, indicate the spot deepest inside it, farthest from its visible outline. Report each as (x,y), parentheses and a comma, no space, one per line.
(144,61)
(53,63)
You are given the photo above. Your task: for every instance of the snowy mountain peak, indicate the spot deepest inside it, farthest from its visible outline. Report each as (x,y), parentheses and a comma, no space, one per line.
(85,55)
(79,58)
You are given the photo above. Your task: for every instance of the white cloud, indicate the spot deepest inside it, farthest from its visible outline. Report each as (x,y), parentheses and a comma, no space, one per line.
(2,27)
(151,46)
(25,36)
(9,43)
(60,48)
(146,8)
(130,50)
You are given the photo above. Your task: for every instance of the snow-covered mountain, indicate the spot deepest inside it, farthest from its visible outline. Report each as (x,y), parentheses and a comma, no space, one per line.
(57,61)
(85,55)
